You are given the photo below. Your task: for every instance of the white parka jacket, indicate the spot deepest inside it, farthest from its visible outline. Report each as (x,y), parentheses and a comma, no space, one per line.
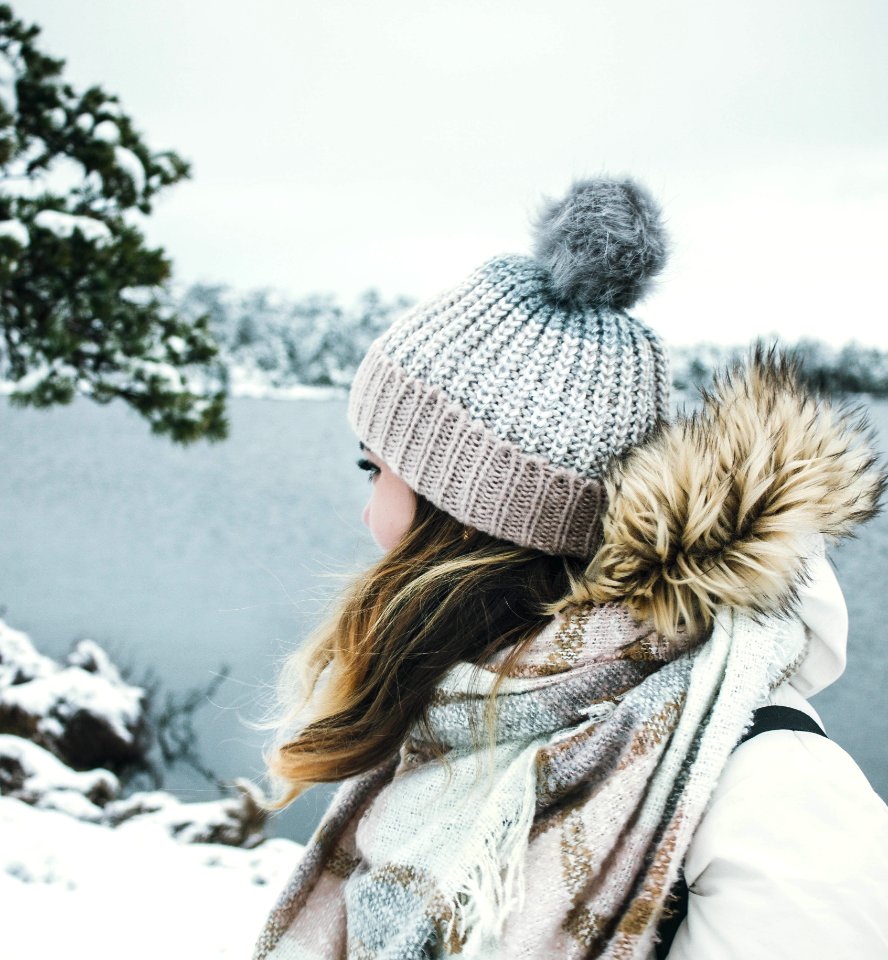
(791,858)
(731,507)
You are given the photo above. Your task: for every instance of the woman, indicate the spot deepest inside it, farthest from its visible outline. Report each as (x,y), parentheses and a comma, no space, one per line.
(534,699)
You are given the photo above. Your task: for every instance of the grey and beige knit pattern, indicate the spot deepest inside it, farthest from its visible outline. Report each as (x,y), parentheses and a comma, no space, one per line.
(503,405)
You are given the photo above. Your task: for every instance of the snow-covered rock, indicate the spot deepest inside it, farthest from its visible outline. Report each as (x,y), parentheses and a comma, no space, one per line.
(33,775)
(19,659)
(83,718)
(89,656)
(83,715)
(234,821)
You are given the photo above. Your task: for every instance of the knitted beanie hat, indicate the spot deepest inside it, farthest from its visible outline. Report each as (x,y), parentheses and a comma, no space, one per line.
(503,400)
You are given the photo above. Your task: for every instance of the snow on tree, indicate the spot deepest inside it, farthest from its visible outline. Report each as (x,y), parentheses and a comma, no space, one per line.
(84,303)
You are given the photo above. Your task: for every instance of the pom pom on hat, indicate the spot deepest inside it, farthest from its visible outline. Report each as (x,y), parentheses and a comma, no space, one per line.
(502,403)
(602,243)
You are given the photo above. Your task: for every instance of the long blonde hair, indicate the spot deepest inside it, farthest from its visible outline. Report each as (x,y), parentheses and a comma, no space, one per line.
(434,599)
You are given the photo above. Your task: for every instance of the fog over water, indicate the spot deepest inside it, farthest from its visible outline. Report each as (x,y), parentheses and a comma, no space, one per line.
(182,560)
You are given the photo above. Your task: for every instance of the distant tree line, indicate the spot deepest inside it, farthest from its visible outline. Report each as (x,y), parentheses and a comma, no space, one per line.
(853,368)
(268,338)
(265,337)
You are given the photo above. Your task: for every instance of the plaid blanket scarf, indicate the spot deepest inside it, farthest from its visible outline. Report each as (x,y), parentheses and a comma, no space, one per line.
(565,841)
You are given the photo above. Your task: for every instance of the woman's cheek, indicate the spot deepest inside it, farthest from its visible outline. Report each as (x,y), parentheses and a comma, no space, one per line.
(388,521)
(389,510)
(406,509)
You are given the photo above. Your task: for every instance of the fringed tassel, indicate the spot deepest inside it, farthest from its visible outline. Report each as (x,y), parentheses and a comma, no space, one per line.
(495,887)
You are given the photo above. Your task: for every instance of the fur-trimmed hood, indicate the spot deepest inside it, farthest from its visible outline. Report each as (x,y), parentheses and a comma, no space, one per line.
(724,506)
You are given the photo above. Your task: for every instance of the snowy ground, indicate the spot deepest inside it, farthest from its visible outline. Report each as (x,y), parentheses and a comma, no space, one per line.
(88,872)
(75,889)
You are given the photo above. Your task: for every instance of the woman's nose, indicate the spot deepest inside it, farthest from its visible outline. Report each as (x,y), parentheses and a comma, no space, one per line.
(365,516)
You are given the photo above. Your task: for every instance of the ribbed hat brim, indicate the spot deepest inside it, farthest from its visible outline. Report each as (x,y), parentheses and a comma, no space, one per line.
(463,468)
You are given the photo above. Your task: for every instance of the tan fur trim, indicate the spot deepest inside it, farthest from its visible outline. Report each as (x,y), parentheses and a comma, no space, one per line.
(719,507)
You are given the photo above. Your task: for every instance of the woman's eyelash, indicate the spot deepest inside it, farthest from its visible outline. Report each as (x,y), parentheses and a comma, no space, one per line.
(369,465)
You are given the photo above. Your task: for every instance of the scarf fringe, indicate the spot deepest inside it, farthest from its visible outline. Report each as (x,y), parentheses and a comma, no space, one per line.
(496,884)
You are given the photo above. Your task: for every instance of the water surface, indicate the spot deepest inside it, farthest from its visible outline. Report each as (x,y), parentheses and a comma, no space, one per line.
(182,559)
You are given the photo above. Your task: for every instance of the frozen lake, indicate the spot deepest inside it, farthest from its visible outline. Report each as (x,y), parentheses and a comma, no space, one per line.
(181,560)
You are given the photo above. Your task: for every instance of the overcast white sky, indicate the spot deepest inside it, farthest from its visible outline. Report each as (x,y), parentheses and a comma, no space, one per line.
(340,145)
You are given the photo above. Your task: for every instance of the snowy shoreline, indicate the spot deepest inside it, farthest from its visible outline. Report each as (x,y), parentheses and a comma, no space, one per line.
(129,890)
(145,873)
(244,382)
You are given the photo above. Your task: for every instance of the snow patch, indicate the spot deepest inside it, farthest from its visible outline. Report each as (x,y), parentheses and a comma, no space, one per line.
(108,131)
(131,166)
(54,700)
(112,108)
(159,370)
(138,296)
(204,900)
(8,77)
(165,164)
(71,803)
(57,116)
(16,230)
(92,182)
(64,224)
(58,368)
(63,176)
(19,659)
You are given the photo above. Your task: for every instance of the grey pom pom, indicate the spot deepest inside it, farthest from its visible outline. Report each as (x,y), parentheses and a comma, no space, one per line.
(602,243)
